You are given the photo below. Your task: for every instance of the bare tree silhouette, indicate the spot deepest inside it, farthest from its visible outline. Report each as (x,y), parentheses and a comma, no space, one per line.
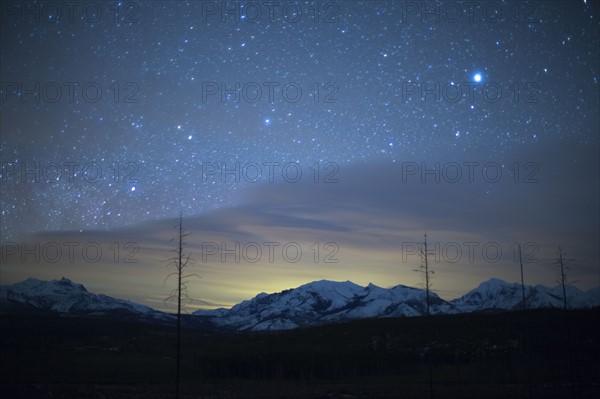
(180,262)
(522,279)
(564,265)
(424,269)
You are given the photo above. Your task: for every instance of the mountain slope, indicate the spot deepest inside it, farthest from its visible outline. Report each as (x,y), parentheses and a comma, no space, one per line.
(498,294)
(315,303)
(325,301)
(66,297)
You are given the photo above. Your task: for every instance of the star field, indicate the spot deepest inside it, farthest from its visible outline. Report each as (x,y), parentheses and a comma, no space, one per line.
(180,89)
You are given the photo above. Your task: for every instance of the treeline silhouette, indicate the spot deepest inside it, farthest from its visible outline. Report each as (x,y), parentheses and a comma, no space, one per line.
(471,355)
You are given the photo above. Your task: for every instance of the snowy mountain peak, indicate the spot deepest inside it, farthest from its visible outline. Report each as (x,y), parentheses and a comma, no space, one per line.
(318,302)
(494,286)
(65,296)
(498,294)
(66,283)
(324,301)
(321,285)
(495,283)
(33,284)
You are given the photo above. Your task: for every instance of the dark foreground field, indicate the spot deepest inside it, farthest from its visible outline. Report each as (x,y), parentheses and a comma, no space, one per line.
(505,355)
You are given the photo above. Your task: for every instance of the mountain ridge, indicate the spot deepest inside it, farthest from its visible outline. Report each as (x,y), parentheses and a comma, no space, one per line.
(66,297)
(313,303)
(309,305)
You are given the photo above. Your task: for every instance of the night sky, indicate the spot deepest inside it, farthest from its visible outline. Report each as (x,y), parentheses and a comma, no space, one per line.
(300,122)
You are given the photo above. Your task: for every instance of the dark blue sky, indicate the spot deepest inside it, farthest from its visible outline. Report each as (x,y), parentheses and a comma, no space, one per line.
(370,94)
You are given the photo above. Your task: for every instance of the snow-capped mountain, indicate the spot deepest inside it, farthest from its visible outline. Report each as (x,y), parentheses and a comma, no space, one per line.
(315,303)
(498,294)
(324,302)
(66,297)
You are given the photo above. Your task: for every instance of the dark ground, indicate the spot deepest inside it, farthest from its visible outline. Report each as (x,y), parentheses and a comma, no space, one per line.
(488,355)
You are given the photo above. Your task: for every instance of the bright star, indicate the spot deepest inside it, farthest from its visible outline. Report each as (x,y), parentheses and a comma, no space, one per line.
(132,188)
(477,77)
(267,121)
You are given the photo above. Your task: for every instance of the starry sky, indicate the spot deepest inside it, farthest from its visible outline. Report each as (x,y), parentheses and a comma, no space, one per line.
(345,129)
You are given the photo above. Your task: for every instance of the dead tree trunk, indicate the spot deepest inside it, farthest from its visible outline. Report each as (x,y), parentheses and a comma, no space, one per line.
(180,263)
(522,279)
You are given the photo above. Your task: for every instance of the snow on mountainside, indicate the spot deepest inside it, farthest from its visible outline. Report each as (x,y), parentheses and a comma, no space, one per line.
(498,294)
(325,301)
(65,296)
(314,303)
